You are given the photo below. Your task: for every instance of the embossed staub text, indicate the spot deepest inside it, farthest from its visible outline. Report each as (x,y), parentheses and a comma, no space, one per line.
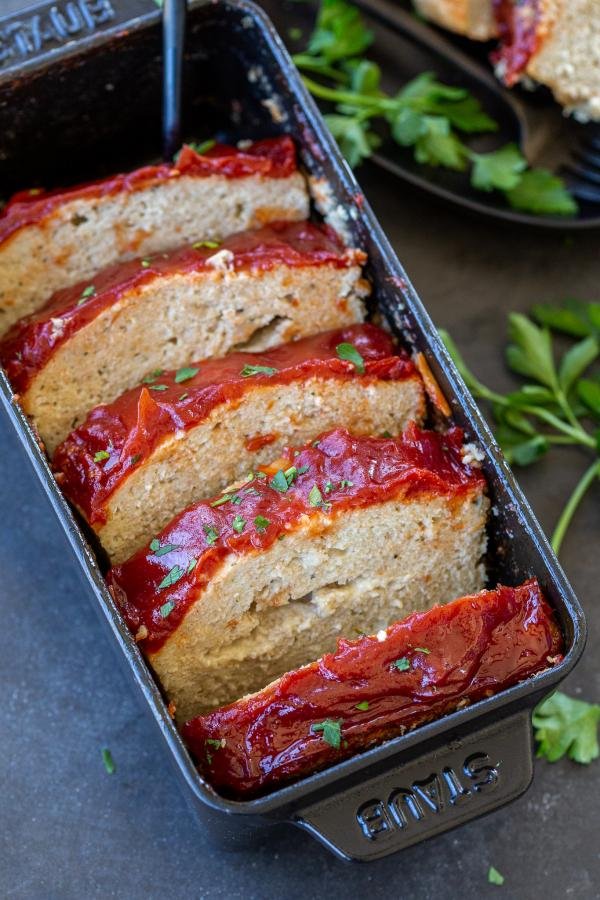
(25,36)
(406,806)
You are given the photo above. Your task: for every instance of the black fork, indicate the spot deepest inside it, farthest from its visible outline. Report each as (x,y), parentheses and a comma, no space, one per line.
(582,172)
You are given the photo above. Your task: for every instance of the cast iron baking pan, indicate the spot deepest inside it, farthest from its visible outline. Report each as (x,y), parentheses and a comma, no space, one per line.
(88,103)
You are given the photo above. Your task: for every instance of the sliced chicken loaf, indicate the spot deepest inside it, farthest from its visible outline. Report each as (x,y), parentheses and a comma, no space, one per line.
(49,241)
(473,18)
(256,289)
(134,464)
(376,688)
(556,43)
(237,590)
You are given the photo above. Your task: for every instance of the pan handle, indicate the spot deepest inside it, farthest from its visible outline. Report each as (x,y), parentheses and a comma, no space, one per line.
(431,793)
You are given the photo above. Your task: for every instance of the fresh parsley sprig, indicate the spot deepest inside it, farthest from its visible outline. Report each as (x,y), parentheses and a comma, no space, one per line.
(559,402)
(566,726)
(426,115)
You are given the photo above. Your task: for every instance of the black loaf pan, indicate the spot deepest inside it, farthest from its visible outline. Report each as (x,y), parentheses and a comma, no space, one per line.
(80,98)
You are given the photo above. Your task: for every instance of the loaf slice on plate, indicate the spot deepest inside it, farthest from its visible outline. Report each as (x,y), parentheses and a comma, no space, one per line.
(51,240)
(239,589)
(134,464)
(376,688)
(473,18)
(556,43)
(254,290)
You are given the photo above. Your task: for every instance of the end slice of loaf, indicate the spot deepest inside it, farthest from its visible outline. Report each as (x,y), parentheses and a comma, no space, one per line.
(376,688)
(51,240)
(134,464)
(555,43)
(254,290)
(473,18)
(232,594)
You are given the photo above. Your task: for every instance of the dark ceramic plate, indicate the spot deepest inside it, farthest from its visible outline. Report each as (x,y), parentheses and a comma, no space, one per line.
(404,47)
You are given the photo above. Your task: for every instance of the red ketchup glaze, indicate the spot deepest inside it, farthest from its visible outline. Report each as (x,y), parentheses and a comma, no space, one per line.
(30,343)
(349,472)
(476,646)
(518,27)
(273,158)
(132,427)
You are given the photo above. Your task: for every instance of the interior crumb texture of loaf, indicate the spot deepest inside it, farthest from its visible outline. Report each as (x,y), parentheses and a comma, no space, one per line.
(473,18)
(568,60)
(204,460)
(180,318)
(267,613)
(85,235)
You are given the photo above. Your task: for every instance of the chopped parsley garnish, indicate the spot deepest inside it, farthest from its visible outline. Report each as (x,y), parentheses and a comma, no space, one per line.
(238,524)
(344,483)
(210,533)
(172,576)
(158,387)
(564,725)
(185,374)
(422,650)
(315,497)
(86,293)
(279,481)
(210,245)
(332,731)
(226,498)
(109,763)
(261,523)
(247,371)
(302,469)
(401,664)
(160,550)
(217,743)
(203,146)
(183,396)
(349,353)
(152,376)
(328,487)
(385,434)
(146,262)
(167,608)
(191,566)
(494,876)
(100,455)
(364,704)
(135,459)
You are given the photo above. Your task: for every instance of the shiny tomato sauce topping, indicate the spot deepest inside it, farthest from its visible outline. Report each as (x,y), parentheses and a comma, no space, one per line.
(518,27)
(272,158)
(30,343)
(156,587)
(371,690)
(126,432)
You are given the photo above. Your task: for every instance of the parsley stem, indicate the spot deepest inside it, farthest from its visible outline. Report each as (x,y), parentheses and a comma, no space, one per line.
(313,64)
(578,434)
(574,501)
(352,98)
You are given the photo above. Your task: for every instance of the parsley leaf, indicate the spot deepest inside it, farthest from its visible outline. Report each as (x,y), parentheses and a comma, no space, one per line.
(238,524)
(494,876)
(564,725)
(185,374)
(247,371)
(210,245)
(339,32)
(589,393)
(161,550)
(100,455)
(401,664)
(203,146)
(166,609)
(541,192)
(172,576)
(211,534)
(500,170)
(158,387)
(363,705)
(315,498)
(261,523)
(354,137)
(279,481)
(109,763)
(332,731)
(349,353)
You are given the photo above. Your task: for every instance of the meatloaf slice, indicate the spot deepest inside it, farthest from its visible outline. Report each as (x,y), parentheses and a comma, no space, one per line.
(49,241)
(376,688)
(134,464)
(473,18)
(254,290)
(237,590)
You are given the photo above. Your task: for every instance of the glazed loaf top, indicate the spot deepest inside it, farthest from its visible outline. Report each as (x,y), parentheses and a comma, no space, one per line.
(100,454)
(376,688)
(272,158)
(30,343)
(157,586)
